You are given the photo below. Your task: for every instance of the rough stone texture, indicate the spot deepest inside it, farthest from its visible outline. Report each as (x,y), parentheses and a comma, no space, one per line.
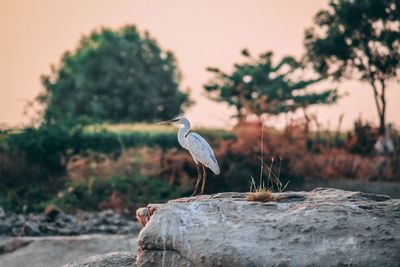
(10,244)
(55,251)
(391,189)
(142,216)
(114,259)
(31,229)
(324,227)
(53,222)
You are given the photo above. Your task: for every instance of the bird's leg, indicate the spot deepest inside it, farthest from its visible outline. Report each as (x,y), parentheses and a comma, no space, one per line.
(204,179)
(198,180)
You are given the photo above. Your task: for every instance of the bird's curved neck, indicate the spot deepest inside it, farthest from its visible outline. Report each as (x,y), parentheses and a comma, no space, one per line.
(182,133)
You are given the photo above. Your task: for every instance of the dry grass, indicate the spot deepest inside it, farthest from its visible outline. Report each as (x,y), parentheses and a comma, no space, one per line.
(262,192)
(261,195)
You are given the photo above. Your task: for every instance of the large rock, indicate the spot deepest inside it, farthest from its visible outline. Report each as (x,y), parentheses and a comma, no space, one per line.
(325,227)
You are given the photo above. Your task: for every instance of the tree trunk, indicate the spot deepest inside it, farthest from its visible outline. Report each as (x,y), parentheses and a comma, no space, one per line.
(382,116)
(380,102)
(307,123)
(382,124)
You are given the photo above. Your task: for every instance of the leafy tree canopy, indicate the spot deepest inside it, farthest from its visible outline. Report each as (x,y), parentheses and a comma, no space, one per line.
(259,86)
(358,39)
(116,76)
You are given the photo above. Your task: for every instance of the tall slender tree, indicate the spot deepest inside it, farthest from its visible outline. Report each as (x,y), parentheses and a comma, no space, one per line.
(358,39)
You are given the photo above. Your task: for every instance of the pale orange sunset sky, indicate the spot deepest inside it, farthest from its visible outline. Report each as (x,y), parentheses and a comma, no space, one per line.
(34,34)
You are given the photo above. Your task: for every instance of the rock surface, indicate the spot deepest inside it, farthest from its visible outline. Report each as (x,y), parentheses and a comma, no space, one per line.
(324,227)
(57,251)
(114,259)
(53,222)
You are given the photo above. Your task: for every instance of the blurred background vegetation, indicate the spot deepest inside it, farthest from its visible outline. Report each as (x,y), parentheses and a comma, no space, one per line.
(95,145)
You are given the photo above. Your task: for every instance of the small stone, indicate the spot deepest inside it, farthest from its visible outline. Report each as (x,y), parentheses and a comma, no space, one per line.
(48,229)
(31,229)
(2,213)
(142,216)
(19,220)
(51,212)
(68,231)
(5,227)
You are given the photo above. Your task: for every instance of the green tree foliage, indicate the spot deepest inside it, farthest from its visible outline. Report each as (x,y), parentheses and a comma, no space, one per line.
(358,39)
(115,76)
(259,86)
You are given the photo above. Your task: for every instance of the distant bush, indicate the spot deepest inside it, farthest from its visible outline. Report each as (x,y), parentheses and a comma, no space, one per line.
(118,193)
(362,139)
(49,143)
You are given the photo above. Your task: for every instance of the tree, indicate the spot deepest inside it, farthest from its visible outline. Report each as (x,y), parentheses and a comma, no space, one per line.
(257,86)
(358,39)
(116,76)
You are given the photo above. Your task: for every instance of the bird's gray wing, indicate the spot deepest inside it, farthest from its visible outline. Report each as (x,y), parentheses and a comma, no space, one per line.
(201,150)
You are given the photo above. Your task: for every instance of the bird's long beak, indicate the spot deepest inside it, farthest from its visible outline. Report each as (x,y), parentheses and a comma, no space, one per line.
(167,122)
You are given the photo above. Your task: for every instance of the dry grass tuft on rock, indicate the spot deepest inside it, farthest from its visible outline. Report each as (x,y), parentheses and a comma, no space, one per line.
(262,192)
(261,195)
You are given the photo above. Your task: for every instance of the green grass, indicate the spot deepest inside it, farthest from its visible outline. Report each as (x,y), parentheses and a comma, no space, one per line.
(150,128)
(140,134)
(126,128)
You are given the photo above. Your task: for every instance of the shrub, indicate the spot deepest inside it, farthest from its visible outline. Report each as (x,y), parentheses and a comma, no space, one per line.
(362,139)
(119,193)
(47,145)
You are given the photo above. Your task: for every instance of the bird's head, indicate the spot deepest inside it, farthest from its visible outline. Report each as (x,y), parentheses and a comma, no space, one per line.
(179,120)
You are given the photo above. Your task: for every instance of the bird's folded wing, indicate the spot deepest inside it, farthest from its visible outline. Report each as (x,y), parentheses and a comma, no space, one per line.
(200,149)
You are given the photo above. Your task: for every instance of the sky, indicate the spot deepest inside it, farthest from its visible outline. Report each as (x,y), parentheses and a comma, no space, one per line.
(34,34)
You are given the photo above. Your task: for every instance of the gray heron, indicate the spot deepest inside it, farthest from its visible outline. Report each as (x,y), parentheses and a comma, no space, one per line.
(199,149)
